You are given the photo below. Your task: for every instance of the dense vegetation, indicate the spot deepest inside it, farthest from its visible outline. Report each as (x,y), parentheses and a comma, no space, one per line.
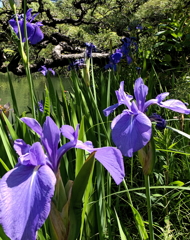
(152,202)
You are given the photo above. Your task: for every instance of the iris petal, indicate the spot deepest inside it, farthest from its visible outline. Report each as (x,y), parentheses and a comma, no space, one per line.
(175,105)
(13,24)
(50,139)
(21,147)
(110,109)
(25,197)
(68,132)
(111,158)
(131,132)
(122,97)
(29,14)
(140,91)
(30,30)
(37,36)
(33,124)
(162,96)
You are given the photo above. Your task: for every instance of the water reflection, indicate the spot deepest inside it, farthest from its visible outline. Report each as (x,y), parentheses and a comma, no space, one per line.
(21,89)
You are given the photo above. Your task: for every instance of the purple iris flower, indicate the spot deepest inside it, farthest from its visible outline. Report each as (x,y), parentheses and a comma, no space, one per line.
(114,60)
(26,191)
(44,70)
(132,129)
(34,32)
(77,64)
(90,47)
(128,43)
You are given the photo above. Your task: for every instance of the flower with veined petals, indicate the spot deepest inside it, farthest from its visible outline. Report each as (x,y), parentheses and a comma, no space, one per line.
(132,129)
(34,32)
(26,190)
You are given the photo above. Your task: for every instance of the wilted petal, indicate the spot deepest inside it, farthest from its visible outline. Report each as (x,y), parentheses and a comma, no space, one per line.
(111,158)
(33,124)
(50,138)
(131,132)
(175,105)
(25,196)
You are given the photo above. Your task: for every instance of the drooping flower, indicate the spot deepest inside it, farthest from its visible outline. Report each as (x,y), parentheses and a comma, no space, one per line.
(90,47)
(132,129)
(26,191)
(34,32)
(77,64)
(44,70)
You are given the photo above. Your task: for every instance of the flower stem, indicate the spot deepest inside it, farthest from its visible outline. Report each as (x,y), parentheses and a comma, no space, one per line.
(149,207)
(27,67)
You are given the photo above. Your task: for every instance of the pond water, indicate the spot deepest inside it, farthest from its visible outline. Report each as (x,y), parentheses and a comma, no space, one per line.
(21,89)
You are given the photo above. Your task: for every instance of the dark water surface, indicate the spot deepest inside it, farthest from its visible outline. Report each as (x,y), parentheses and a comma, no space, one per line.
(21,88)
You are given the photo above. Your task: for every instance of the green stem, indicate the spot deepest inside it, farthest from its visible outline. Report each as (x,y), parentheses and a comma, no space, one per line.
(149,207)
(27,67)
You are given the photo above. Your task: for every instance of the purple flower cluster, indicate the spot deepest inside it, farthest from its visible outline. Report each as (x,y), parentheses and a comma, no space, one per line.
(129,43)
(132,129)
(34,32)
(77,64)
(26,191)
